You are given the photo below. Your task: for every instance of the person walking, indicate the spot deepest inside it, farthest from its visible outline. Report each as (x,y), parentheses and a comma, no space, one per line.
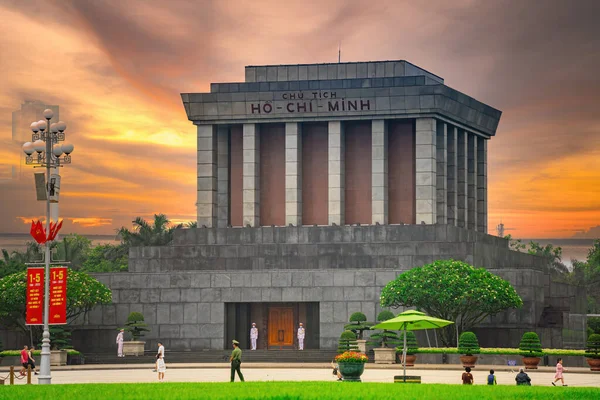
(120,343)
(161,368)
(522,378)
(236,361)
(159,354)
(467,377)
(492,378)
(301,334)
(253,336)
(558,376)
(24,360)
(31,361)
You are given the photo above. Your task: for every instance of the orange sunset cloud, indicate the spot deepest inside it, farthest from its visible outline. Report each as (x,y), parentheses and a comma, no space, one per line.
(116,70)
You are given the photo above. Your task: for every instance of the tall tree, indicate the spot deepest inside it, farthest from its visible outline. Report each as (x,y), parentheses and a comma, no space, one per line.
(451,290)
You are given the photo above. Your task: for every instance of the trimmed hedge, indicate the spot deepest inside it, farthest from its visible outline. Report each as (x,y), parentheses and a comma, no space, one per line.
(593,346)
(468,343)
(530,345)
(496,351)
(14,353)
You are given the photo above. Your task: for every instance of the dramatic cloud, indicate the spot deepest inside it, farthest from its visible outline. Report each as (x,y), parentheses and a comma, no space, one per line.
(116,69)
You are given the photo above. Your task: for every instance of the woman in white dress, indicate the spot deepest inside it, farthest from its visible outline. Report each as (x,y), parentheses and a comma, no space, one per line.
(161,368)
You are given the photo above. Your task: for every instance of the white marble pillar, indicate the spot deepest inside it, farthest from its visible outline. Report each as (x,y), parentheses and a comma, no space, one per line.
(461,180)
(206,205)
(441,173)
(293,173)
(452,175)
(472,181)
(425,170)
(222,176)
(251,175)
(379,171)
(336,172)
(482,185)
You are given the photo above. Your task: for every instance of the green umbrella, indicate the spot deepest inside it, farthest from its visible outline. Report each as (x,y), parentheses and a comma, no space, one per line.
(411,320)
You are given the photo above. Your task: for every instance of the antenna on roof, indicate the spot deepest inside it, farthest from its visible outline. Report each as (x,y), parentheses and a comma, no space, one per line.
(340,52)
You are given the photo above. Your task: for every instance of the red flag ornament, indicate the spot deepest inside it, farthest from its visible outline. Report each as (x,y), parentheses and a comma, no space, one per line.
(38,232)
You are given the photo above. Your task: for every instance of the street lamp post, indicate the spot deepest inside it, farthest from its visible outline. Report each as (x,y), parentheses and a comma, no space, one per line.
(45,143)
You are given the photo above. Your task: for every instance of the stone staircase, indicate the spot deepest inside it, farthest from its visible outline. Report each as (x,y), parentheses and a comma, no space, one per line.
(217,356)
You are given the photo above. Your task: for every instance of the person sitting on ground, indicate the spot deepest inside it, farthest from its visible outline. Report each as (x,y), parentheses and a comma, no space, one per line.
(467,377)
(492,378)
(522,378)
(336,370)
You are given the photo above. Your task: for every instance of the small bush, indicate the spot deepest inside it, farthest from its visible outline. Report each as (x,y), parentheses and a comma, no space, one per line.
(347,342)
(136,325)
(358,324)
(530,345)
(592,348)
(468,344)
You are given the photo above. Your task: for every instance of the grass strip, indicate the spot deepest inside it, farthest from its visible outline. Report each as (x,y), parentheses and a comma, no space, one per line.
(291,391)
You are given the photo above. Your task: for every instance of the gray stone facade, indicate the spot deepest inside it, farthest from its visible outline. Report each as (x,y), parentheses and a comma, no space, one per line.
(182,289)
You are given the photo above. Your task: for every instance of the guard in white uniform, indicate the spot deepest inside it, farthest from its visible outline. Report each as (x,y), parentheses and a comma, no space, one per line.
(253,335)
(301,334)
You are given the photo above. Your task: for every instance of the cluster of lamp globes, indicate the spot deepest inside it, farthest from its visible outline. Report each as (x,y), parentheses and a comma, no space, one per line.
(56,134)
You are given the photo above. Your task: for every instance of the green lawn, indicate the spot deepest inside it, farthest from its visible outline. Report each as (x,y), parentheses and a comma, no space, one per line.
(291,391)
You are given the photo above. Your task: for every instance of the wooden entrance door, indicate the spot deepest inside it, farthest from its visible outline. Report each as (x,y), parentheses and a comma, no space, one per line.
(281,327)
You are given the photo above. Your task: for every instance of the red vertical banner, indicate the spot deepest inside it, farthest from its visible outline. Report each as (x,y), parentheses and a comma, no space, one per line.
(58,296)
(35,296)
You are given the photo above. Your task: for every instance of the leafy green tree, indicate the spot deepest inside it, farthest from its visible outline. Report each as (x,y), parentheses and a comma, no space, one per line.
(468,344)
(83,294)
(135,325)
(587,274)
(347,342)
(159,233)
(358,324)
(106,258)
(9,264)
(384,338)
(551,253)
(451,290)
(73,248)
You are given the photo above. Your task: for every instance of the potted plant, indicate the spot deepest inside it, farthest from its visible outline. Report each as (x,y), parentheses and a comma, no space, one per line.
(350,362)
(358,324)
(385,341)
(468,345)
(60,341)
(411,349)
(531,350)
(592,351)
(136,327)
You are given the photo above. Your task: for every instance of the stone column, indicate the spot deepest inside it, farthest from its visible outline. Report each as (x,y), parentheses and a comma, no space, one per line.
(336,173)
(441,173)
(472,181)
(461,180)
(379,171)
(251,175)
(222,176)
(206,205)
(452,175)
(426,170)
(293,173)
(482,185)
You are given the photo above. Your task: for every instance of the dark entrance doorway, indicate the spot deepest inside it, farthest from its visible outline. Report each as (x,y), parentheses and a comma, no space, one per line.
(277,324)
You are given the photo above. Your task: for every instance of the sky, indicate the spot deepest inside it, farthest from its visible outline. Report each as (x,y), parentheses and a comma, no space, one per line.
(116,69)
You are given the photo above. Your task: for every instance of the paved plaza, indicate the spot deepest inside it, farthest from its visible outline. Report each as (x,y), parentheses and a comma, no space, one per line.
(272,372)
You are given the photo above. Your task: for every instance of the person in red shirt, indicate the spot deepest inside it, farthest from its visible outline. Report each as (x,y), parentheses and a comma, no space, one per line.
(24,360)
(467,377)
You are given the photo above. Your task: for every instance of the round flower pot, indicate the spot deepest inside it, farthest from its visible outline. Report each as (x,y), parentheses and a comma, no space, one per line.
(531,362)
(594,363)
(468,361)
(351,372)
(410,360)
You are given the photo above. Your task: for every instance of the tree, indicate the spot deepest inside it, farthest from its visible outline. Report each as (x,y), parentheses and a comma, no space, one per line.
(358,324)
(385,337)
(135,325)
(347,342)
(552,254)
(73,248)
(145,234)
(106,258)
(587,274)
(83,294)
(9,264)
(451,290)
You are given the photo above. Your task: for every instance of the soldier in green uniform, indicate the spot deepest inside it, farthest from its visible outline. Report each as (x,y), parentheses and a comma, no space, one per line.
(236,361)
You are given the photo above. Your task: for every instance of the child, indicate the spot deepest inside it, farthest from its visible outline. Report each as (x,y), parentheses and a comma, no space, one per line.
(559,373)
(161,368)
(467,378)
(492,378)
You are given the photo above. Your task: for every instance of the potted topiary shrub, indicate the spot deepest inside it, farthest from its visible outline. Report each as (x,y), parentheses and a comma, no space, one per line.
(468,345)
(385,341)
(592,351)
(358,324)
(350,362)
(411,349)
(136,327)
(60,341)
(531,350)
